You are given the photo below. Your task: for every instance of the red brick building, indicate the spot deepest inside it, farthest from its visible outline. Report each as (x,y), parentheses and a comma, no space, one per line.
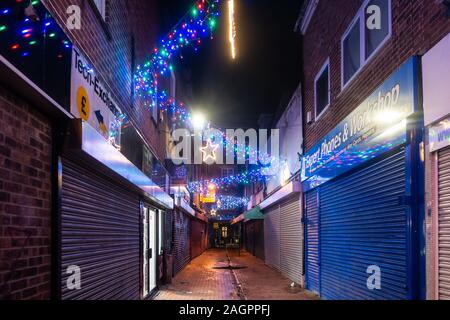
(361,214)
(61,204)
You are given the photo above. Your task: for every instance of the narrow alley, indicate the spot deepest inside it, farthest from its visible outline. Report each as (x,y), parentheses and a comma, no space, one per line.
(230,275)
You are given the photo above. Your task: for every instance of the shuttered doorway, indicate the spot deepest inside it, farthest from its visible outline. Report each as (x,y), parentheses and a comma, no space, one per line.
(363,223)
(312,268)
(444,224)
(272,236)
(100,234)
(181,237)
(291,239)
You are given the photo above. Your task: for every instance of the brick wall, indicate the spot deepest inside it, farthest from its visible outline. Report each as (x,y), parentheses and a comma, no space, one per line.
(25,200)
(107,44)
(417,26)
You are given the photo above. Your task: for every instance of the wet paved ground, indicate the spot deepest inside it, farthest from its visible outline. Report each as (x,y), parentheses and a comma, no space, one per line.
(208,278)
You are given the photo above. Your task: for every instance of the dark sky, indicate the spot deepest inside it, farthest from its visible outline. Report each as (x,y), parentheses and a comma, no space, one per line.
(234,94)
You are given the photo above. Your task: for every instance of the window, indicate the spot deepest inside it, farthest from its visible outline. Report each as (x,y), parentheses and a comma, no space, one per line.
(224,232)
(375,36)
(352,52)
(100,4)
(322,90)
(368,32)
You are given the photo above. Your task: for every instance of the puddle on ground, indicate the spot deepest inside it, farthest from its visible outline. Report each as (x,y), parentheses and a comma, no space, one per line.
(229,267)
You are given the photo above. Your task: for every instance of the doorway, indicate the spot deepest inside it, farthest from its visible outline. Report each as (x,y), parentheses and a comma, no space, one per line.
(149,252)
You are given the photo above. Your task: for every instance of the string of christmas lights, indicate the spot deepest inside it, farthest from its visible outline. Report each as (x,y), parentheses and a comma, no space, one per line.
(198,24)
(244,178)
(26,25)
(231,202)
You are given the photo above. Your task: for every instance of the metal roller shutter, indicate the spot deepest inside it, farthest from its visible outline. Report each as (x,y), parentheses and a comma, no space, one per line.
(272,236)
(444,225)
(363,223)
(100,224)
(312,241)
(182,250)
(291,241)
(197,238)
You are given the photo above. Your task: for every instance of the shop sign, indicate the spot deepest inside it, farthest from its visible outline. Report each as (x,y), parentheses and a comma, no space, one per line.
(376,126)
(215,225)
(208,198)
(92,102)
(439,135)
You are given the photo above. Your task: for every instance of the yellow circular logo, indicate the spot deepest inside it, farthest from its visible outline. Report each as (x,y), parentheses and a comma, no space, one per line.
(83,103)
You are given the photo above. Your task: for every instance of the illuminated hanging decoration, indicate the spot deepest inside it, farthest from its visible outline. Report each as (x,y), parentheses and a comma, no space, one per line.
(209,151)
(199,23)
(232,27)
(243,178)
(28,26)
(231,202)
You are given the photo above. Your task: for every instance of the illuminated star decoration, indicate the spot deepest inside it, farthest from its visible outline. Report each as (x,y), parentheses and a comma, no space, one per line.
(209,152)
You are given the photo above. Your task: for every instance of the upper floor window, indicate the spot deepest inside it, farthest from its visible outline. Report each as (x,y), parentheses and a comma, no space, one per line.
(101,6)
(368,32)
(322,90)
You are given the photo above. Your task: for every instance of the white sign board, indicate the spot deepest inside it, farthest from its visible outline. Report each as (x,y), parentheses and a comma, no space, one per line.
(439,135)
(436,82)
(91,101)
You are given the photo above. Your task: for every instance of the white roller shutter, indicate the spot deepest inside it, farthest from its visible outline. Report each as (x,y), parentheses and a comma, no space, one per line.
(444,224)
(291,239)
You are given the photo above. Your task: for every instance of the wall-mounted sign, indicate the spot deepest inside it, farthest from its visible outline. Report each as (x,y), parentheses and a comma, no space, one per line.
(439,135)
(376,126)
(92,102)
(208,198)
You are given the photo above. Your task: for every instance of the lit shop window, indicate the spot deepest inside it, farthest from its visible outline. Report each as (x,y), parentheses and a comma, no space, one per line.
(368,32)
(322,90)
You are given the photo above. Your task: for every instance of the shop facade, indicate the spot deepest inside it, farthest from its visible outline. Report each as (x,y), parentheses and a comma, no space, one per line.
(436,76)
(103,210)
(363,185)
(283,231)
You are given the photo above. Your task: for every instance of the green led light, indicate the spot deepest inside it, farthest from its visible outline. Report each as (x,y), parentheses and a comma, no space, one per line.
(32,43)
(35,2)
(52,35)
(2,28)
(194,12)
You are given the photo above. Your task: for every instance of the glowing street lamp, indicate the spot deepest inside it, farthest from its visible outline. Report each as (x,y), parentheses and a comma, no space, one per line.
(198,121)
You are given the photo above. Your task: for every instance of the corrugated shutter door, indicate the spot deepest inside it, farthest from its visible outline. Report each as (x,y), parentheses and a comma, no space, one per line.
(182,252)
(100,234)
(312,242)
(272,236)
(444,224)
(362,224)
(291,240)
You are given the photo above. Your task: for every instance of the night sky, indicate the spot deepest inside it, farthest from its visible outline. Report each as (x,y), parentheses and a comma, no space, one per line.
(233,94)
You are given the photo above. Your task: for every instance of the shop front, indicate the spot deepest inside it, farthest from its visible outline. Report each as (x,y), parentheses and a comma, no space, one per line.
(182,215)
(362,185)
(436,77)
(283,231)
(111,212)
(199,235)
(252,227)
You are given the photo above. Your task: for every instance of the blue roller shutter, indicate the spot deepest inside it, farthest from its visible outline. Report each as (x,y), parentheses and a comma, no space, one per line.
(363,223)
(312,242)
